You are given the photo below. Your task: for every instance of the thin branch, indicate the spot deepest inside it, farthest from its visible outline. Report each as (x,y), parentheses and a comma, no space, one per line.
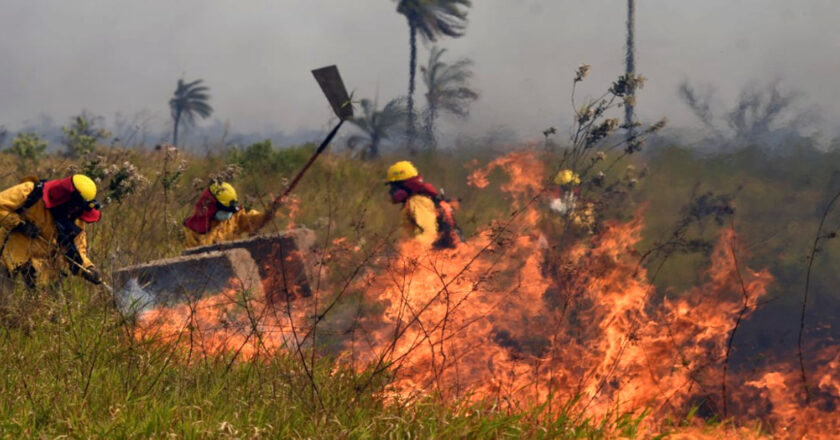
(811,258)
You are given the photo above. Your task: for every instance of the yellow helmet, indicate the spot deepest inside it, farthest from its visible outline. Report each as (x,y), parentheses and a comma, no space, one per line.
(84,186)
(224,194)
(567,177)
(402,170)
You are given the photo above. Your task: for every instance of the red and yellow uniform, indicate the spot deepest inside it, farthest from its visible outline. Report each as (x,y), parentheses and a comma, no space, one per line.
(219,218)
(238,225)
(424,215)
(420,218)
(47,237)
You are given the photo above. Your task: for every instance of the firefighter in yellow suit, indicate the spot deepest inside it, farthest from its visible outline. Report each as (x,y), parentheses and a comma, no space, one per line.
(425,215)
(42,229)
(218,217)
(420,219)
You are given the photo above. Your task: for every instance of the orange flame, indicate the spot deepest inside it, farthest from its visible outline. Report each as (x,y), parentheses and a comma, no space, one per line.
(292,205)
(231,322)
(516,317)
(509,319)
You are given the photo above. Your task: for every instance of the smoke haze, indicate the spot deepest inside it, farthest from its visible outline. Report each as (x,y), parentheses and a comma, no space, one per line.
(113,57)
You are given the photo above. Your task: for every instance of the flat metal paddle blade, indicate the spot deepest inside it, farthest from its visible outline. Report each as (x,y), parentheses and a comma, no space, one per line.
(330,81)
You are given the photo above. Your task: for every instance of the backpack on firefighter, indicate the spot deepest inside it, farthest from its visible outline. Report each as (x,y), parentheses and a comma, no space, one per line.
(449,234)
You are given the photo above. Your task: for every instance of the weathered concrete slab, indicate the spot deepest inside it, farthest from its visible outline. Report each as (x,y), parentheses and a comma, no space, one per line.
(173,280)
(283,261)
(274,266)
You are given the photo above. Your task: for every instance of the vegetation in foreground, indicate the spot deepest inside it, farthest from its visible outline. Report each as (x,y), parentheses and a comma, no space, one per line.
(72,367)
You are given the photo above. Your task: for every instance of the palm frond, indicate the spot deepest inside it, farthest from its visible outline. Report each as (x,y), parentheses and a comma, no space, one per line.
(448,84)
(192,84)
(447,89)
(433,18)
(190,100)
(358,141)
(377,125)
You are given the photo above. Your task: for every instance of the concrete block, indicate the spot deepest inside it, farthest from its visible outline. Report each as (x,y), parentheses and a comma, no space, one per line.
(274,266)
(283,261)
(174,280)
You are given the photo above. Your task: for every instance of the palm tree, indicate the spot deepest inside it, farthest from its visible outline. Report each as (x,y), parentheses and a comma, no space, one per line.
(447,88)
(431,19)
(376,125)
(190,99)
(630,70)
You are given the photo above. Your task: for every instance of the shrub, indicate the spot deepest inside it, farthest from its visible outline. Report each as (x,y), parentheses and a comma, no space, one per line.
(82,136)
(264,157)
(28,146)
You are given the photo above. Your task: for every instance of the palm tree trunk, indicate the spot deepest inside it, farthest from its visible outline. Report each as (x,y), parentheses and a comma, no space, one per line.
(373,151)
(431,115)
(175,131)
(630,60)
(412,70)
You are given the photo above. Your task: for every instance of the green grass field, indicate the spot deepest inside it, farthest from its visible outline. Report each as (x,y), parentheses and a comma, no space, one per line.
(74,369)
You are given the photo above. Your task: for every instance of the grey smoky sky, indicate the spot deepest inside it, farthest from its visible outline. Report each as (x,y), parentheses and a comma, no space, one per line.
(107,56)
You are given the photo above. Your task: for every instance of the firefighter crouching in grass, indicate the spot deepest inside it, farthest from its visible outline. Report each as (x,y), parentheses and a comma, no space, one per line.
(427,215)
(568,216)
(569,220)
(42,228)
(568,204)
(218,217)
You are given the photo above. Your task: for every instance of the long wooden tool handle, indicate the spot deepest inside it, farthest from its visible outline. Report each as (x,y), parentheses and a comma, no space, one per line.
(318,152)
(276,202)
(73,262)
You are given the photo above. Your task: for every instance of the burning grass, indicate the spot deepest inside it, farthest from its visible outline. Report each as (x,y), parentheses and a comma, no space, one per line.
(541,326)
(73,370)
(537,327)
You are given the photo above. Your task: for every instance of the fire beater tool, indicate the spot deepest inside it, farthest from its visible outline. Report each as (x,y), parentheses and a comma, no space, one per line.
(333,87)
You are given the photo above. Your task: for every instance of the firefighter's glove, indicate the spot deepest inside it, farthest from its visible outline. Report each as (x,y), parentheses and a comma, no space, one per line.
(28,229)
(92,275)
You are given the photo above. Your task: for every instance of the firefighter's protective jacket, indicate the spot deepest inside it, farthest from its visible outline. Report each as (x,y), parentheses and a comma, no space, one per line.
(239,225)
(420,218)
(43,253)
